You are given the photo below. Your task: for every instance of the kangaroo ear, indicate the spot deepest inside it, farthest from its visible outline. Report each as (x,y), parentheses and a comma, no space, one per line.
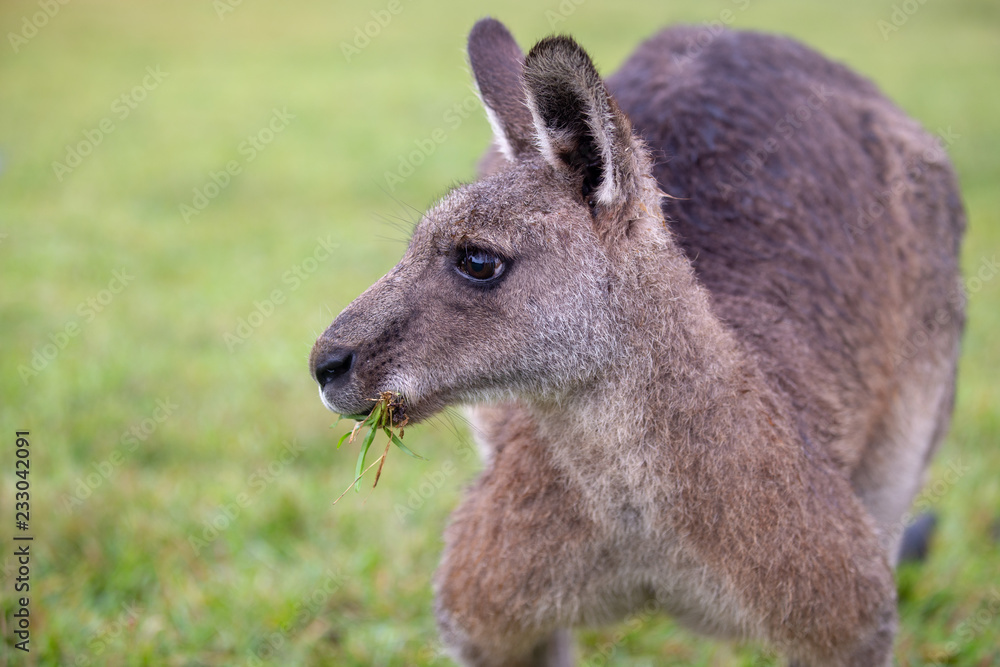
(497,63)
(578,124)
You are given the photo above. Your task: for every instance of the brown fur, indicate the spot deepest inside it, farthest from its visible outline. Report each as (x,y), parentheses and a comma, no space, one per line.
(719,403)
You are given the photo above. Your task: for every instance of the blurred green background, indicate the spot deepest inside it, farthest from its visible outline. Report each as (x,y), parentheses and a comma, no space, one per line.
(190,191)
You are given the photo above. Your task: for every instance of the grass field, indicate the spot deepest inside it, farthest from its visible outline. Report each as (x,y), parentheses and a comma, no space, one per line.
(190,191)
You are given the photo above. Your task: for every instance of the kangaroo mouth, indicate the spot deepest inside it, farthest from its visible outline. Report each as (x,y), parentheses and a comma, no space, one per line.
(393,401)
(347,406)
(351,387)
(391,404)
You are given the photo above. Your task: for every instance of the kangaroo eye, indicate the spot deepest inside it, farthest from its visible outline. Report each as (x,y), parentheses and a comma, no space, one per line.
(479,264)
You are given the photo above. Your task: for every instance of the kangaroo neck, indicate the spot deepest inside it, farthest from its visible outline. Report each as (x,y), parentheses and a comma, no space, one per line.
(678,380)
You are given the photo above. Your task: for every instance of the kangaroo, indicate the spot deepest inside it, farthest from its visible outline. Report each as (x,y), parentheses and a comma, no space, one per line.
(708,313)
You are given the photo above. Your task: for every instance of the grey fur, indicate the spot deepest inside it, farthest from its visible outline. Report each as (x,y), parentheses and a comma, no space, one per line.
(717,402)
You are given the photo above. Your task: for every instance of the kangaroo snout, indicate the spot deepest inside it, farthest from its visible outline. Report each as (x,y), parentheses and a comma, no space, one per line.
(354,359)
(330,365)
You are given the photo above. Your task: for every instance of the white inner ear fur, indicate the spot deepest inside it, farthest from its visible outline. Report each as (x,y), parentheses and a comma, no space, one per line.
(499,136)
(601,125)
(607,193)
(503,144)
(542,141)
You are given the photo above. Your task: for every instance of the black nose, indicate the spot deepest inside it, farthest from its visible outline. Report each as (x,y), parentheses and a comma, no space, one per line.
(332,365)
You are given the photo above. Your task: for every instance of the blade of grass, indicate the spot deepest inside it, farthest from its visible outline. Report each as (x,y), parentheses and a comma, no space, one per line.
(343,438)
(361,457)
(356,480)
(378,473)
(375,418)
(399,443)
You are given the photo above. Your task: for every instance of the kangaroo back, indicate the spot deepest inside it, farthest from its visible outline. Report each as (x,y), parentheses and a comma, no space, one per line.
(826,224)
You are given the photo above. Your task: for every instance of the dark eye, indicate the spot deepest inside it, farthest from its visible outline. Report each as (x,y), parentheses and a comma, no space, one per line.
(479,264)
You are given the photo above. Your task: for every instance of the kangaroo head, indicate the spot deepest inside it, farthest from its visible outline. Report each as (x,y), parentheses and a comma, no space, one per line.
(511,286)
